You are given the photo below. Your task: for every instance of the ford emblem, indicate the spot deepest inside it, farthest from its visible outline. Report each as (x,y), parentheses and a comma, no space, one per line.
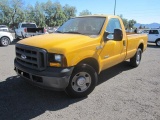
(23,56)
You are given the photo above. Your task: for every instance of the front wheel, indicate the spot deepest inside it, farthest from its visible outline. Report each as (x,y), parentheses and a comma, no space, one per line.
(135,61)
(82,82)
(4,41)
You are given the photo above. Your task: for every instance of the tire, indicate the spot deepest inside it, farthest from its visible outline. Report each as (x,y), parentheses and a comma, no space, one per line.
(158,42)
(4,41)
(136,59)
(82,82)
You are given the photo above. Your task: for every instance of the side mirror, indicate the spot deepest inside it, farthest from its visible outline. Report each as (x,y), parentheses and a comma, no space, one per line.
(107,36)
(118,35)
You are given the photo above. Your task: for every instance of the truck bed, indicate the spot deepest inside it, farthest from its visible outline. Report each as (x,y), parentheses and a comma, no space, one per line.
(133,42)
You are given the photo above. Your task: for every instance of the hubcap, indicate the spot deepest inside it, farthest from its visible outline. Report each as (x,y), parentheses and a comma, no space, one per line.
(5,41)
(138,58)
(81,82)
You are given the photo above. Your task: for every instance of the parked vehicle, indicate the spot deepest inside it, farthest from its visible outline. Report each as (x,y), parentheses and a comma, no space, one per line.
(52,29)
(27,30)
(5,38)
(81,48)
(145,31)
(3,28)
(154,36)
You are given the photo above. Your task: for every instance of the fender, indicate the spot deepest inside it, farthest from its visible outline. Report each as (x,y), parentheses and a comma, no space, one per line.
(141,41)
(81,56)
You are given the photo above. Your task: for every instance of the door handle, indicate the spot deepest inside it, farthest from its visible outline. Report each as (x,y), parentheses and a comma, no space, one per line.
(124,42)
(107,56)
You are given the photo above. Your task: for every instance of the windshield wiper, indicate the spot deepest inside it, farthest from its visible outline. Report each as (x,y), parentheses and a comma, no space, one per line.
(74,32)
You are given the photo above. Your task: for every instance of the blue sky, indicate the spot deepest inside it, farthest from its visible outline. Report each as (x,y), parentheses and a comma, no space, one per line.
(143,11)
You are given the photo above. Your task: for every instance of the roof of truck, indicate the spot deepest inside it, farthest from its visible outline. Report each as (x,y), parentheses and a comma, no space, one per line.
(101,15)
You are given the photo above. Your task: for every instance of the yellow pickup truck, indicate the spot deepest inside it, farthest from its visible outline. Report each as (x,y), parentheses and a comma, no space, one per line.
(71,58)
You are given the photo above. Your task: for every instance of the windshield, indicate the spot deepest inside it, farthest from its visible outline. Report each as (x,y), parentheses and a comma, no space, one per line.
(29,25)
(84,25)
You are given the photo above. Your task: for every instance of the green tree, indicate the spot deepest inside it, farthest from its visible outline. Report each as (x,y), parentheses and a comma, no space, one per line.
(56,14)
(85,12)
(131,23)
(29,14)
(16,10)
(39,15)
(4,12)
(69,11)
(11,11)
(58,18)
(125,21)
(49,12)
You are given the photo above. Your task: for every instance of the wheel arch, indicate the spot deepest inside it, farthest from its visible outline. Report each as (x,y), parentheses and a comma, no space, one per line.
(141,45)
(92,62)
(5,36)
(157,39)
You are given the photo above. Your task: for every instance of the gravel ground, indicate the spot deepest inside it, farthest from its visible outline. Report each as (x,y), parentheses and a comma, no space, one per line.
(123,93)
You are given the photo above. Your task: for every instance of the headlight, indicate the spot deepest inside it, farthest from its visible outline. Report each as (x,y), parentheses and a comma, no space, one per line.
(57,60)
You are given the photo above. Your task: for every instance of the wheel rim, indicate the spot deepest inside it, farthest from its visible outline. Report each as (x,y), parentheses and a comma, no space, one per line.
(5,41)
(138,58)
(81,82)
(158,43)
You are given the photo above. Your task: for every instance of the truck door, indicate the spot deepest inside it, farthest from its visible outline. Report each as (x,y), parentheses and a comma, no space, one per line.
(113,51)
(153,35)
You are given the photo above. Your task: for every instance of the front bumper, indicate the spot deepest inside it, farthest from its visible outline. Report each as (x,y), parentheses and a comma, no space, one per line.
(51,78)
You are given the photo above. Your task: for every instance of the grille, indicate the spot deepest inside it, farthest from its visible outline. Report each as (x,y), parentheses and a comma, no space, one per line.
(31,57)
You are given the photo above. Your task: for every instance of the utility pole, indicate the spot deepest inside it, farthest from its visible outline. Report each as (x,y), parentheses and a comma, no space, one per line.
(115,7)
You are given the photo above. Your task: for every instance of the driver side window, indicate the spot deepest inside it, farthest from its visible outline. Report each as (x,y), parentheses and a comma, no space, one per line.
(113,24)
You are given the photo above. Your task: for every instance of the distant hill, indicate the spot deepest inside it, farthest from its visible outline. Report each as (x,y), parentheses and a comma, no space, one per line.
(152,25)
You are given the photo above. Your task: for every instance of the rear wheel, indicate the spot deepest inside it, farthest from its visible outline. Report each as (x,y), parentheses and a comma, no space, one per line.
(5,41)
(158,42)
(82,82)
(135,61)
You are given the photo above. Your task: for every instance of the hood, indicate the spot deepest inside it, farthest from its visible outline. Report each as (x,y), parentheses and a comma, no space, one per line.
(57,42)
